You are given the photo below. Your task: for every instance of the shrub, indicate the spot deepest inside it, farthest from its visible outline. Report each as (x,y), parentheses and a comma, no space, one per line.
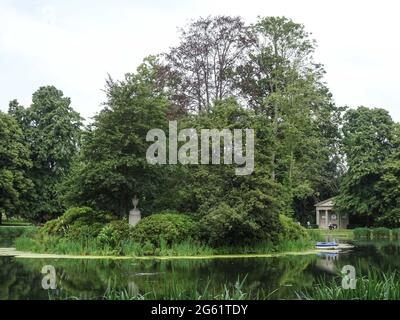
(291,231)
(396,233)
(172,228)
(224,226)
(82,230)
(362,233)
(148,249)
(114,233)
(77,223)
(381,233)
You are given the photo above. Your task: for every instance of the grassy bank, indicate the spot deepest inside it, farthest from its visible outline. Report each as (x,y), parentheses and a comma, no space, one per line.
(9,233)
(339,234)
(56,245)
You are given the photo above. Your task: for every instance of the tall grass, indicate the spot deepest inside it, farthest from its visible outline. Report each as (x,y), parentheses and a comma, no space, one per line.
(16,231)
(377,285)
(8,234)
(92,246)
(180,291)
(381,233)
(396,234)
(362,233)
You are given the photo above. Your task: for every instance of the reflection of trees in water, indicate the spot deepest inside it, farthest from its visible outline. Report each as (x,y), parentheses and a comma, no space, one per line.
(21,278)
(90,278)
(368,255)
(383,255)
(18,283)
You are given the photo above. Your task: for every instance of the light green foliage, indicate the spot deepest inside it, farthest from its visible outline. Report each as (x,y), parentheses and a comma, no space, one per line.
(172,228)
(362,233)
(396,234)
(77,223)
(291,231)
(381,233)
(377,285)
(114,233)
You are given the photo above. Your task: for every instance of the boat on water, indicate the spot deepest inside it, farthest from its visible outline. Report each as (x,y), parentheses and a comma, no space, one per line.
(326,245)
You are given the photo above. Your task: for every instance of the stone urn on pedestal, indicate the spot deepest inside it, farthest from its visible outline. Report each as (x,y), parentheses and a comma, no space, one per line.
(134,214)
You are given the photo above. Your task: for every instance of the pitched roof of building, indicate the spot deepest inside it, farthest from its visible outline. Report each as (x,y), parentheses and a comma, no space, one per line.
(325,203)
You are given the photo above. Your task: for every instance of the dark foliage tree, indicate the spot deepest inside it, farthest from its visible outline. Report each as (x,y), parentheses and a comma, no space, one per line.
(203,65)
(14,166)
(369,143)
(52,131)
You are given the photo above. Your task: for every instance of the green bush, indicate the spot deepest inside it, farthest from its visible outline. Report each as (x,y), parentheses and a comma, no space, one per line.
(114,233)
(362,233)
(148,249)
(225,226)
(396,234)
(172,228)
(291,231)
(77,223)
(82,230)
(381,233)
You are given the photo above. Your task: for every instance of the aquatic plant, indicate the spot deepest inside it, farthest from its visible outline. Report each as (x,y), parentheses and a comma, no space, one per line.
(381,233)
(362,233)
(377,285)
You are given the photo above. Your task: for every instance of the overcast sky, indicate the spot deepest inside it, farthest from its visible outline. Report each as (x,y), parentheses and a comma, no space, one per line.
(74,44)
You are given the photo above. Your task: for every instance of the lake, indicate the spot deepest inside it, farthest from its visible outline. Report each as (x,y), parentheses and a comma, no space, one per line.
(284,276)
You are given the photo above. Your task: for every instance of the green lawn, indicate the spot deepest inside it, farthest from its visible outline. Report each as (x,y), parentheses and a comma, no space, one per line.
(340,234)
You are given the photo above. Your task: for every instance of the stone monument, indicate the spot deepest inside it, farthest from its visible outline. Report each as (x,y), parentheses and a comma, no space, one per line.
(134,214)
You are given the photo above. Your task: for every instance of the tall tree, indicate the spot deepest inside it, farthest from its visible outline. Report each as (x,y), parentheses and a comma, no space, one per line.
(14,164)
(113,165)
(368,142)
(52,131)
(204,63)
(284,85)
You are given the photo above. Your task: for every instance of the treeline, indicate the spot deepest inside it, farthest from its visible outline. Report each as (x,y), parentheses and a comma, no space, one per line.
(223,74)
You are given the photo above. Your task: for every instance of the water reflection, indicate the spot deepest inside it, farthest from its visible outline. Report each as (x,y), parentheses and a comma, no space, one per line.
(87,279)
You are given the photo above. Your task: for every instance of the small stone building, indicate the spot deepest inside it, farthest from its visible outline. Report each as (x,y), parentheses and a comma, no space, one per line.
(325,215)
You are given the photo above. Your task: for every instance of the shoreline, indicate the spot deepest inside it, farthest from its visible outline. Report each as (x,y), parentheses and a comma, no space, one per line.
(12,252)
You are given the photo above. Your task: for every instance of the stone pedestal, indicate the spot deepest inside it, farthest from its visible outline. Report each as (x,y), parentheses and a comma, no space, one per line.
(134,214)
(134,217)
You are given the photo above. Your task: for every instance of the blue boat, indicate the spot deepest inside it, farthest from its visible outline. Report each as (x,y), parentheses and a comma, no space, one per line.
(326,245)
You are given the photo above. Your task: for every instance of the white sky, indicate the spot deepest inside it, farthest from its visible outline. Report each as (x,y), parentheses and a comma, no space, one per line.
(74,44)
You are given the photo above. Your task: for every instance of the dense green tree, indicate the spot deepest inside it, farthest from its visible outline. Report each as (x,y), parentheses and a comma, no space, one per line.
(283,84)
(113,166)
(14,164)
(52,131)
(255,199)
(369,144)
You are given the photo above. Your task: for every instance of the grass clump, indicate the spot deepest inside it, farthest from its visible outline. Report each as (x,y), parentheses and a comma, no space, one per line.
(381,233)
(396,234)
(377,285)
(362,233)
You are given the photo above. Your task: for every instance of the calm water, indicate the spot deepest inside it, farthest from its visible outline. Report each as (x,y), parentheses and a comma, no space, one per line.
(21,278)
